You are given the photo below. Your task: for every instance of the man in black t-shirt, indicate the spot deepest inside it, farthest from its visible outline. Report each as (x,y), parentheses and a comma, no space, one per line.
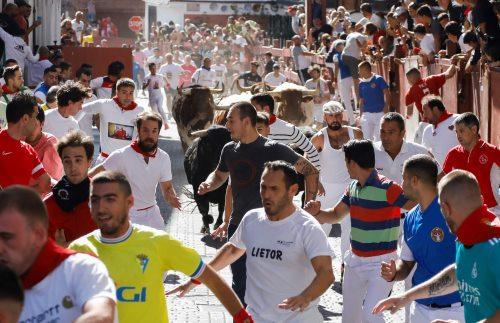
(251,77)
(484,17)
(243,159)
(268,68)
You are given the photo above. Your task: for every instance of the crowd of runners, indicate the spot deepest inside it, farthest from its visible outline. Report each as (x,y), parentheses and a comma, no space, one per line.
(82,237)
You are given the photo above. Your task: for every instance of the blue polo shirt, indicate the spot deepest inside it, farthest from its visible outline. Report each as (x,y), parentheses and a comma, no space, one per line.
(432,245)
(372,93)
(478,278)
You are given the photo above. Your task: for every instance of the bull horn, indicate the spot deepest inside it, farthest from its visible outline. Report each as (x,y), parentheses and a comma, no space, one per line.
(218,107)
(179,89)
(242,88)
(311,92)
(215,90)
(267,85)
(199,133)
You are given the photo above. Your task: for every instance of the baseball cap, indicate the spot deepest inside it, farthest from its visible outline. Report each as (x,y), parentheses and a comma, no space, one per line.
(333,107)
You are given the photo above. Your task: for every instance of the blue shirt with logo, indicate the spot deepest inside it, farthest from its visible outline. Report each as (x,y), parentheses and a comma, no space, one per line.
(478,269)
(372,93)
(432,245)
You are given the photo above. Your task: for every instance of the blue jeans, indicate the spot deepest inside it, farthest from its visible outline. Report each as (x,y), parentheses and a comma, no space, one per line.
(238,269)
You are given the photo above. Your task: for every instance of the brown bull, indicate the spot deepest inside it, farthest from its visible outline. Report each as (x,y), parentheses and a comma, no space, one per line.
(294,103)
(193,109)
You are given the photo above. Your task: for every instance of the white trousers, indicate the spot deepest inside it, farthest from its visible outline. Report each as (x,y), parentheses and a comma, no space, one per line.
(310,315)
(333,193)
(363,287)
(156,103)
(370,125)
(150,217)
(346,86)
(422,314)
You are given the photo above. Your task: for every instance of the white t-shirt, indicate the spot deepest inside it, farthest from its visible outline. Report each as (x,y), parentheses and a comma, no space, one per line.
(85,119)
(351,45)
(61,295)
(374,19)
(441,139)
(117,127)
(204,77)
(313,84)
(279,255)
(16,48)
(464,48)
(157,60)
(103,87)
(143,177)
(273,80)
(58,125)
(220,73)
(240,41)
(172,73)
(156,83)
(427,44)
(148,52)
(78,27)
(393,169)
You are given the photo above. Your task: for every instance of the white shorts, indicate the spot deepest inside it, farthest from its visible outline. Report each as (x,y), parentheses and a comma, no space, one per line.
(423,314)
(310,315)
(150,217)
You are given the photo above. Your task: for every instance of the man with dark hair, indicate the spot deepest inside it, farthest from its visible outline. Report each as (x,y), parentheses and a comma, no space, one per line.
(85,121)
(250,77)
(424,16)
(475,271)
(68,204)
(427,242)
(116,118)
(455,40)
(438,137)
(14,83)
(104,86)
(475,155)
(374,204)
(289,260)
(368,17)
(50,78)
(11,295)
(268,68)
(374,100)
(61,121)
(19,161)
(138,256)
(244,159)
(66,71)
(45,146)
(145,166)
(316,82)
(16,48)
(76,286)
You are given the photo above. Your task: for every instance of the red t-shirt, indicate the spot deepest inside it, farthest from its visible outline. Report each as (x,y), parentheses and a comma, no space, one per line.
(479,162)
(426,86)
(75,224)
(18,162)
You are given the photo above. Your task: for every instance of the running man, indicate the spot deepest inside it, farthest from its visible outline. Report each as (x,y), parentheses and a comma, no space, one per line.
(145,166)
(154,83)
(475,271)
(137,256)
(288,257)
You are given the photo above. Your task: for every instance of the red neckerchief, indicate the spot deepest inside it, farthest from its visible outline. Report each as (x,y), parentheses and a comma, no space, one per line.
(445,115)
(272,119)
(107,82)
(47,260)
(135,146)
(6,89)
(481,225)
(130,107)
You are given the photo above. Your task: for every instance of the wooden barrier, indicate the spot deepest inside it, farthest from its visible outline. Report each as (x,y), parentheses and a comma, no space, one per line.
(99,58)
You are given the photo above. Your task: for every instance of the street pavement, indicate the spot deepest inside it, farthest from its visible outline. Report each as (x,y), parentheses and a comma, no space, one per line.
(200,305)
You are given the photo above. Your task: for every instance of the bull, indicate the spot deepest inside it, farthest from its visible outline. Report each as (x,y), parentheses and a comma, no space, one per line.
(294,103)
(193,109)
(200,160)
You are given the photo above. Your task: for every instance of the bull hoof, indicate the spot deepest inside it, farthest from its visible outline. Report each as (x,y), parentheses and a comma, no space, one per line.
(205,230)
(208,219)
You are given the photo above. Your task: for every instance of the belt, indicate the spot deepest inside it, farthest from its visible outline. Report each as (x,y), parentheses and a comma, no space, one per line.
(434,305)
(146,208)
(104,155)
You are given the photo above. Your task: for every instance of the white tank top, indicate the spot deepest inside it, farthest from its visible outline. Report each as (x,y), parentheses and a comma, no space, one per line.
(333,168)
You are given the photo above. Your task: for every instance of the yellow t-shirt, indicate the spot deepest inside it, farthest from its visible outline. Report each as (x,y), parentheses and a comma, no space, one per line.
(89,39)
(137,264)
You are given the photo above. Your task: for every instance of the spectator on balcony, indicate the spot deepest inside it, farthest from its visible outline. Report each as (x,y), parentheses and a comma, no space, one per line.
(301,58)
(296,23)
(455,42)
(427,45)
(404,18)
(369,16)
(91,40)
(78,26)
(67,32)
(16,48)
(455,10)
(424,16)
(8,21)
(471,39)
(22,19)
(91,14)
(319,28)
(484,17)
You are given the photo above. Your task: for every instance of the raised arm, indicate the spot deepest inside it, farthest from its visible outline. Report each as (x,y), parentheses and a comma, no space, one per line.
(213,181)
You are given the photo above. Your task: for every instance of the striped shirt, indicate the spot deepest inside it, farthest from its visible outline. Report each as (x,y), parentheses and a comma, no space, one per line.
(375,210)
(288,134)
